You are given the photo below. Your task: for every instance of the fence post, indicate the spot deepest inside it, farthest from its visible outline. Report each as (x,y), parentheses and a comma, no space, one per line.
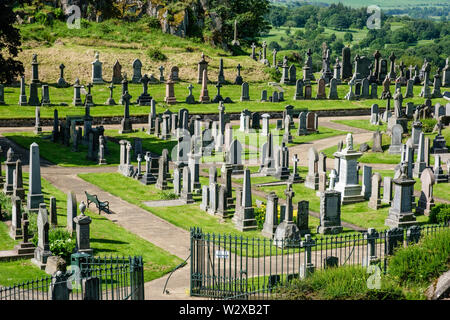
(393,237)
(308,267)
(136,283)
(371,237)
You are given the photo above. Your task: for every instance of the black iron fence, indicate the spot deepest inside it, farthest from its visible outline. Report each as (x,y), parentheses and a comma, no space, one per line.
(233,267)
(89,278)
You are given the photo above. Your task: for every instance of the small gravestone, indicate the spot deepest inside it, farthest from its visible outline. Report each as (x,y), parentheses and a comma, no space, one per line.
(117,73)
(375,202)
(42,251)
(330,212)
(71,210)
(271,218)
(387,190)
(82,223)
(137,67)
(367,182)
(35,196)
(333,93)
(377,142)
(396,139)
(97,77)
(426,200)
(53,212)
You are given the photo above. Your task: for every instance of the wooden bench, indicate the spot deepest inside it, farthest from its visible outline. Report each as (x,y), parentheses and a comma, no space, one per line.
(101,205)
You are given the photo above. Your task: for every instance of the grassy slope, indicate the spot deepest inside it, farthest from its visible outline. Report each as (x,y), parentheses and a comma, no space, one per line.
(107,238)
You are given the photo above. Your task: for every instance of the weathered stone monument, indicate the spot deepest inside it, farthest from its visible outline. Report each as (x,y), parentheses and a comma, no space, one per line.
(42,251)
(426,200)
(330,212)
(35,196)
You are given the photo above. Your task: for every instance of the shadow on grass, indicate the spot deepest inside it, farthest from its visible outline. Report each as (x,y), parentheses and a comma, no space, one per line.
(108,241)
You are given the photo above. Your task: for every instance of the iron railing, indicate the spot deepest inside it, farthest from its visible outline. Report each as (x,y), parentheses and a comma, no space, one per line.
(90,278)
(236,267)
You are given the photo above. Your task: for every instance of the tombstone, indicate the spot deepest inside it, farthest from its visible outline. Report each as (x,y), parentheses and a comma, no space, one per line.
(144,99)
(396,140)
(117,73)
(330,212)
(245,215)
(161,182)
(265,124)
(170,92)
(321,89)
(124,84)
(16,219)
(77,94)
(234,156)
(45,101)
(308,91)
(374,115)
(186,192)
(377,142)
(202,66)
(367,182)
(245,92)
(42,251)
(409,110)
(439,175)
(204,96)
(18,190)
(425,92)
(126,125)
(97,76)
(400,213)
(365,90)
(386,94)
(312,179)
(426,200)
(436,93)
(292,75)
(137,75)
(439,143)
(271,219)
(34,197)
(287,233)
(205,198)
(175,74)
(333,93)
(409,89)
(375,202)
(346,63)
(311,122)
(387,190)
(350,95)
(295,177)
(33,99)
(420,163)
(348,184)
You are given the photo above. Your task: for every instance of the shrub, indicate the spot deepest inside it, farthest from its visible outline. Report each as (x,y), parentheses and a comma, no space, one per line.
(59,14)
(422,262)
(275,74)
(153,23)
(156,54)
(428,125)
(43,18)
(440,214)
(260,216)
(6,206)
(167,195)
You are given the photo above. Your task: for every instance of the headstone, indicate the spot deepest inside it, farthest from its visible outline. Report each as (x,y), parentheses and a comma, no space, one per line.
(126,125)
(330,212)
(245,92)
(42,251)
(367,182)
(18,190)
(97,76)
(377,142)
(312,179)
(35,196)
(117,73)
(346,63)
(426,200)
(420,163)
(400,213)
(204,96)
(375,202)
(202,66)
(321,89)
(271,218)
(16,219)
(396,140)
(387,190)
(333,93)
(287,233)
(137,67)
(246,216)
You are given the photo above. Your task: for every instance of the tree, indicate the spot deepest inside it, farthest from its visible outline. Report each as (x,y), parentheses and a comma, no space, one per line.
(348,37)
(10,42)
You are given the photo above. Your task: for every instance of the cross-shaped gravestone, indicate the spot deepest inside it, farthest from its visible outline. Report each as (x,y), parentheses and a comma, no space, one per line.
(218,86)
(190,87)
(89,86)
(295,160)
(145,80)
(61,68)
(161,71)
(126,98)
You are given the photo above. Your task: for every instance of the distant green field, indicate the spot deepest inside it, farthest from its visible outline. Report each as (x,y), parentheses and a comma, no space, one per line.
(383,4)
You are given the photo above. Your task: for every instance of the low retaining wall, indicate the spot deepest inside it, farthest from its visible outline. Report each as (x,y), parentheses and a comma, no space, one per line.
(143,119)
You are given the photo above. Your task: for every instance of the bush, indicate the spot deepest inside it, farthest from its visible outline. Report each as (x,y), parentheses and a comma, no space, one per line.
(422,262)
(6,206)
(428,125)
(43,18)
(440,214)
(275,75)
(153,23)
(274,45)
(260,216)
(167,195)
(156,54)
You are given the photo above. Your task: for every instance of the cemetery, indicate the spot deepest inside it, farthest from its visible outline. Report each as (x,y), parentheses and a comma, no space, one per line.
(201,167)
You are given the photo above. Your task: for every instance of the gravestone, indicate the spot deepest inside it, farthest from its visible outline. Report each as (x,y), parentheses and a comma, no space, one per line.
(204,96)
(377,142)
(61,82)
(53,212)
(312,179)
(374,115)
(333,93)
(299,90)
(18,190)
(367,182)
(346,63)
(303,217)
(375,202)
(16,219)
(45,101)
(387,190)
(126,125)
(245,219)
(348,184)
(71,210)
(420,163)
(97,76)
(396,140)
(186,193)
(287,233)
(77,94)
(137,67)
(271,219)
(42,251)
(321,94)
(117,73)
(438,172)
(330,212)
(144,99)
(426,200)
(205,198)
(202,66)
(245,92)
(35,196)
(33,99)
(400,213)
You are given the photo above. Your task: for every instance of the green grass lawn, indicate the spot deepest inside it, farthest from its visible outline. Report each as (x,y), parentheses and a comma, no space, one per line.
(362,124)
(107,239)
(6,243)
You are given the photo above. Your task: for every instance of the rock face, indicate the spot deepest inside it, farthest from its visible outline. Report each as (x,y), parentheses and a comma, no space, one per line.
(440,289)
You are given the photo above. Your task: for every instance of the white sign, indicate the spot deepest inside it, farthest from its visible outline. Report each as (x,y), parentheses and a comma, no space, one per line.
(222,254)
